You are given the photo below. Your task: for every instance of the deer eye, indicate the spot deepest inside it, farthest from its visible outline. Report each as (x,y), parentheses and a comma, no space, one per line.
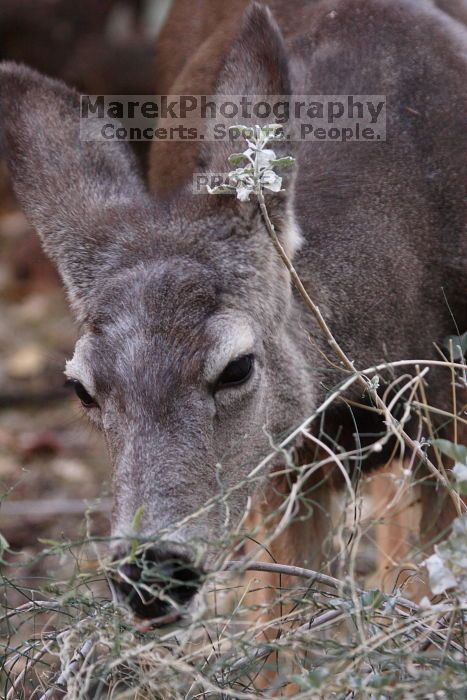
(83,395)
(237,372)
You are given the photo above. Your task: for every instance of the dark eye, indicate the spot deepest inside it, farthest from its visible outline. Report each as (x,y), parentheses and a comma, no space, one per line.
(236,372)
(83,395)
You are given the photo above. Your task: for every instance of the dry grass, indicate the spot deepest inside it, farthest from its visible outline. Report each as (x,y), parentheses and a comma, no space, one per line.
(260,629)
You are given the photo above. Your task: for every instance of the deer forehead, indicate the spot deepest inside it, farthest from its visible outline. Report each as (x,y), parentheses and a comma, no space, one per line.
(223,338)
(171,318)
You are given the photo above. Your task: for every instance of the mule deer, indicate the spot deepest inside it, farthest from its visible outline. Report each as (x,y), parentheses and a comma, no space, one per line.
(195,351)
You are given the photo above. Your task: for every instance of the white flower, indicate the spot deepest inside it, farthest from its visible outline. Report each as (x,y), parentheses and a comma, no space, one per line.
(259,164)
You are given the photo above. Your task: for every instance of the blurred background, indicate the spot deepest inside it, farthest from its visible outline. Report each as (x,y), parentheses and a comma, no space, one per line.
(52,463)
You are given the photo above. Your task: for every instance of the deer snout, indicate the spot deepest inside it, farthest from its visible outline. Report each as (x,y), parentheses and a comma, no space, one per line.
(157,585)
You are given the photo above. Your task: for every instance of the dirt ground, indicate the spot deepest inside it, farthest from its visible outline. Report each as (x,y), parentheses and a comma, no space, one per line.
(52,463)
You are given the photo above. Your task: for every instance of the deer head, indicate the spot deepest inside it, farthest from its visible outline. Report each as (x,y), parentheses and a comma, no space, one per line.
(191,352)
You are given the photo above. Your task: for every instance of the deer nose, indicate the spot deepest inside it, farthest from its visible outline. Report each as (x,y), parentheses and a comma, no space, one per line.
(157,585)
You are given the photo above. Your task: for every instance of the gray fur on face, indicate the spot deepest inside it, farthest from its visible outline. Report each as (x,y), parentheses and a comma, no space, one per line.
(166,294)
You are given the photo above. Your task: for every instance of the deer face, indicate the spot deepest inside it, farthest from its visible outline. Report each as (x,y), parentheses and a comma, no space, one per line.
(174,375)
(191,354)
(187,368)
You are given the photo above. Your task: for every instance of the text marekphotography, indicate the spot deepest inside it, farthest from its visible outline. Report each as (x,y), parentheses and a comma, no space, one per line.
(340,118)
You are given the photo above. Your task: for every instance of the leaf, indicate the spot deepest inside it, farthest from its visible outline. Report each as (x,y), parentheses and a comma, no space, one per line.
(237,158)
(459,345)
(243,192)
(313,679)
(447,567)
(271,181)
(136,522)
(390,604)
(4,545)
(459,529)
(272,130)
(456,452)
(246,131)
(460,474)
(242,175)
(264,158)
(440,577)
(284,162)
(374,383)
(49,543)
(372,598)
(221,189)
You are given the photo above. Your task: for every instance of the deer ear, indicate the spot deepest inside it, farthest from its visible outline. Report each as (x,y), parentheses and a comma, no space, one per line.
(67,188)
(257,66)
(257,63)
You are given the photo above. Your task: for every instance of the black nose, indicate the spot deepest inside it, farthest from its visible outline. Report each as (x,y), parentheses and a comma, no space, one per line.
(155,584)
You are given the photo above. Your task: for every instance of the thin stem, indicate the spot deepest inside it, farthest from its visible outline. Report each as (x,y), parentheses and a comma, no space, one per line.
(60,685)
(318,576)
(347,363)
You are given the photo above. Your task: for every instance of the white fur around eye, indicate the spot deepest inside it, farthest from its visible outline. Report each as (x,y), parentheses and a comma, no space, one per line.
(233,338)
(79,367)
